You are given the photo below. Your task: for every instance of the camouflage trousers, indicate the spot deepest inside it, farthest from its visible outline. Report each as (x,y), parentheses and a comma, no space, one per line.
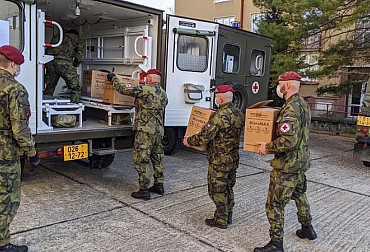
(65,69)
(284,187)
(148,148)
(10,193)
(221,180)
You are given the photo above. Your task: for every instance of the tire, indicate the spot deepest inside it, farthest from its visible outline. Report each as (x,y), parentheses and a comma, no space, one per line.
(366,163)
(240,99)
(170,141)
(100,162)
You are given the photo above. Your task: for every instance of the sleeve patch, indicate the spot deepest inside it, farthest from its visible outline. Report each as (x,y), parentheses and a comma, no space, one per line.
(128,85)
(285,127)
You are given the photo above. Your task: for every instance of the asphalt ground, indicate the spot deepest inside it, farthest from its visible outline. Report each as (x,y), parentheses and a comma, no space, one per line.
(66,206)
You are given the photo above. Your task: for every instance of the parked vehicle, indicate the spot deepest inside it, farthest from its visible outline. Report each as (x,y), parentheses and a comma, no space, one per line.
(194,55)
(362,148)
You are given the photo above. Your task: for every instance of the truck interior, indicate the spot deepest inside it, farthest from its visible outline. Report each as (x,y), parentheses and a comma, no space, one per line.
(117,37)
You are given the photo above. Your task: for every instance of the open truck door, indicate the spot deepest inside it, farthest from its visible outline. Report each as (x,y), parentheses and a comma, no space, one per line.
(191,48)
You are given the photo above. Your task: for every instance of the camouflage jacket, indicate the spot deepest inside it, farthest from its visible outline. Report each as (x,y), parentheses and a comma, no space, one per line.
(15,134)
(292,131)
(221,134)
(71,49)
(150,102)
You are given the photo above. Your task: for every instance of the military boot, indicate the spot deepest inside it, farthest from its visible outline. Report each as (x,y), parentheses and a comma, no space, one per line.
(272,246)
(214,223)
(158,189)
(141,194)
(306,231)
(13,248)
(230,218)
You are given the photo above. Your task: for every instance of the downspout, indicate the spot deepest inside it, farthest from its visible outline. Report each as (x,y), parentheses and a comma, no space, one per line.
(241,13)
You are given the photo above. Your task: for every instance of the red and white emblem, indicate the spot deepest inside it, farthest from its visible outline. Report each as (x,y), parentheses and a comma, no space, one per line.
(128,85)
(285,127)
(255,87)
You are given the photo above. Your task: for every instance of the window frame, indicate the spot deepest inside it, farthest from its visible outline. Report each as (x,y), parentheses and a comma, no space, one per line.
(254,62)
(239,55)
(207,53)
(20,45)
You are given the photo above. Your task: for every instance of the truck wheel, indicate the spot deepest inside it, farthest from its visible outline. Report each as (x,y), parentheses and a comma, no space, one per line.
(100,162)
(366,163)
(240,99)
(170,141)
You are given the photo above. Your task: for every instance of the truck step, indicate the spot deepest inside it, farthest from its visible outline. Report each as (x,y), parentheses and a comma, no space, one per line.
(104,152)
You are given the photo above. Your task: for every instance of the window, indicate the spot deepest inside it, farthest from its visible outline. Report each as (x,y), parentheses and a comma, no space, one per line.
(225,20)
(313,41)
(311,60)
(255,21)
(230,59)
(362,35)
(10,24)
(257,63)
(192,53)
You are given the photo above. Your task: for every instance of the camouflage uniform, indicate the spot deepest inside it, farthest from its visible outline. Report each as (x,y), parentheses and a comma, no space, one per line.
(150,102)
(15,139)
(67,56)
(291,161)
(221,134)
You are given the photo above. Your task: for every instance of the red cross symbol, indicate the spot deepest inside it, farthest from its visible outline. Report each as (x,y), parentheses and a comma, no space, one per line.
(285,127)
(255,87)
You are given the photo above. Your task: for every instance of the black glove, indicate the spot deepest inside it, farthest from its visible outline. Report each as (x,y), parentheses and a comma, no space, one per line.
(35,161)
(110,76)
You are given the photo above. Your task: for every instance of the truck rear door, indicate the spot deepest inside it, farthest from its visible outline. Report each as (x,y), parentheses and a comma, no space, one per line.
(190,67)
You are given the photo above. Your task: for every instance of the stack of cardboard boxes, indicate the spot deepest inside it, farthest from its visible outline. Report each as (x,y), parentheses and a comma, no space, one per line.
(95,84)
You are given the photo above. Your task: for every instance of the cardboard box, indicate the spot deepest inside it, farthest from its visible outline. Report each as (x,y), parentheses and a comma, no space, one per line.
(260,124)
(93,83)
(110,95)
(198,118)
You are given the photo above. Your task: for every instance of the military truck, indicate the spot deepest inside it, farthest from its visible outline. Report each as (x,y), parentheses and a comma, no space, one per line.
(194,56)
(362,148)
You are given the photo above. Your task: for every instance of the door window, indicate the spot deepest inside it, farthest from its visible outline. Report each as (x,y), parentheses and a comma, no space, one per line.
(192,53)
(10,24)
(257,63)
(230,58)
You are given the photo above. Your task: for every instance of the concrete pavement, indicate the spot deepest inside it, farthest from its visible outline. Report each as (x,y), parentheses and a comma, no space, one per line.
(68,207)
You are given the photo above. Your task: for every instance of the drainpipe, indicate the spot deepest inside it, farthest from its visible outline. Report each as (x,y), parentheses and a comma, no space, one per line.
(241,13)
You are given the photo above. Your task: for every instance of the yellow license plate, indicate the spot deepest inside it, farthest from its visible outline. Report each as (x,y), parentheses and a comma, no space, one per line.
(77,151)
(363,120)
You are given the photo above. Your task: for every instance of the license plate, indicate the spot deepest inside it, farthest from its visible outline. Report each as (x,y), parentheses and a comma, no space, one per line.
(363,120)
(77,151)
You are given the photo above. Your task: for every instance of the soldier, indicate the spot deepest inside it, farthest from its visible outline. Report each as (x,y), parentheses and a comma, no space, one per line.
(150,102)
(15,140)
(221,135)
(67,56)
(291,161)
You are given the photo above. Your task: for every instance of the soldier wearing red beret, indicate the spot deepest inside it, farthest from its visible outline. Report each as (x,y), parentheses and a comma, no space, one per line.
(292,160)
(15,139)
(221,135)
(150,102)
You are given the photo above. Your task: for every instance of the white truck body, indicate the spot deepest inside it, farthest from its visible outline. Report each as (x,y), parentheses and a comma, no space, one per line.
(194,55)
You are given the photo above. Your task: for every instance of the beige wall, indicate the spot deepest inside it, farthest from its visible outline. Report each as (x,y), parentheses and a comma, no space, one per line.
(209,10)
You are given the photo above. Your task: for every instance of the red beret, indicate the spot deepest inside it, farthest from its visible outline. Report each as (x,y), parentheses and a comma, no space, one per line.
(154,71)
(12,54)
(290,76)
(224,88)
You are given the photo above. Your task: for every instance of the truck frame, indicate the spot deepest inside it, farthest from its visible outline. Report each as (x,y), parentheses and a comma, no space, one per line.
(194,55)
